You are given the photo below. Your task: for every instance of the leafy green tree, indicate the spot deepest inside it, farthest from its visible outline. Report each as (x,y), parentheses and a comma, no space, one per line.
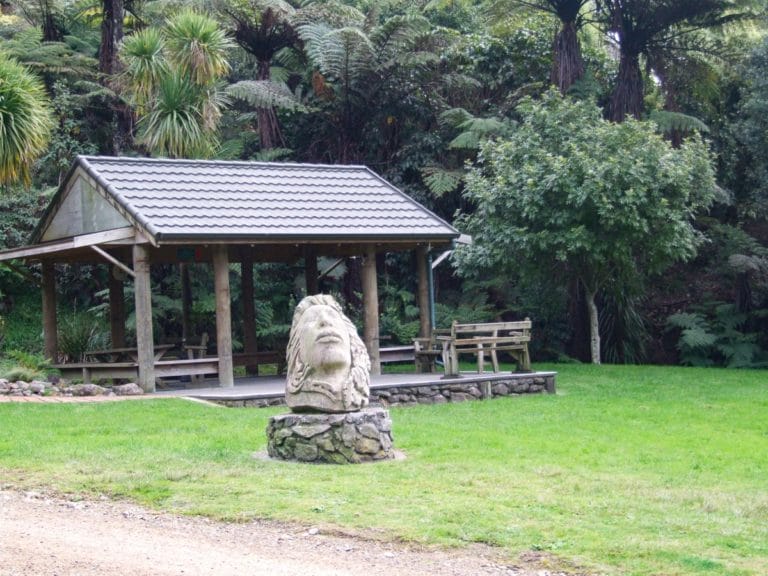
(26,121)
(750,132)
(562,197)
(172,77)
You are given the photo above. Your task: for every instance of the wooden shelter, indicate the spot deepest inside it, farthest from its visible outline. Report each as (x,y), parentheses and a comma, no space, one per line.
(131,213)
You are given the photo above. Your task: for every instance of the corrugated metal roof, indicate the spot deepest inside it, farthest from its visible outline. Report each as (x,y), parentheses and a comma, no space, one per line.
(187,199)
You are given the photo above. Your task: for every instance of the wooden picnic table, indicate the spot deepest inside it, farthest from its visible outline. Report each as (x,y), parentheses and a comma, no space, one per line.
(130,354)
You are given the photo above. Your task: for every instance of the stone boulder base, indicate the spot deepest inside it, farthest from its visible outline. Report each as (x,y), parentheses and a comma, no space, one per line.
(350,438)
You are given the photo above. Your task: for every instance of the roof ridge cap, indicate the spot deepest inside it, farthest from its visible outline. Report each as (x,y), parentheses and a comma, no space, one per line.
(91,158)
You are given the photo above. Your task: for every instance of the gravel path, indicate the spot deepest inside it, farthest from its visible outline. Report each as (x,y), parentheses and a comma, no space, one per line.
(46,535)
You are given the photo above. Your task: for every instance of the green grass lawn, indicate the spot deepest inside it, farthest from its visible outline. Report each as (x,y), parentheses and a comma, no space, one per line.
(627,470)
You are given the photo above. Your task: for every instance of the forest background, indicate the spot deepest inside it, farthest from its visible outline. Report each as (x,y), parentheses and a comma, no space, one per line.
(609,157)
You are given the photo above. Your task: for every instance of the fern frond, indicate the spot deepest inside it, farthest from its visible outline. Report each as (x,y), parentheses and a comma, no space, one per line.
(333,14)
(686,320)
(441,181)
(398,33)
(454,117)
(465,141)
(743,263)
(696,338)
(675,121)
(265,94)
(273,154)
(231,149)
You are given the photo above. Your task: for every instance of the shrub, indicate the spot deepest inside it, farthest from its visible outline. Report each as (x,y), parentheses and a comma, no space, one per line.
(26,366)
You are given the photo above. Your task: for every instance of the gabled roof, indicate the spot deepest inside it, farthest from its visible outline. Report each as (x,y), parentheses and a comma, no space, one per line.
(194,200)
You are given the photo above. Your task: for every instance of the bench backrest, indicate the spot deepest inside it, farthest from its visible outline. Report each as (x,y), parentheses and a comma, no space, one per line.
(519,330)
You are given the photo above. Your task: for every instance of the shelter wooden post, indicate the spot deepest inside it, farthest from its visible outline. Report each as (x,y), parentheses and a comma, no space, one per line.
(50,327)
(223,315)
(371,309)
(310,271)
(249,312)
(186,303)
(422,264)
(116,308)
(144,337)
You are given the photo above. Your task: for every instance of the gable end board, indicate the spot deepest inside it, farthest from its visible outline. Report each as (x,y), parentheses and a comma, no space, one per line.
(82,211)
(83,205)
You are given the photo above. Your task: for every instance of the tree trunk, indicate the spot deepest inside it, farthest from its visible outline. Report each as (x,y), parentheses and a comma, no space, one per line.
(568,65)
(270,135)
(627,97)
(111,36)
(594,326)
(659,65)
(578,322)
(50,27)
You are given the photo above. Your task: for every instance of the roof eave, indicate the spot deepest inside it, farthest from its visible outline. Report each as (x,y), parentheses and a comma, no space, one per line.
(213,238)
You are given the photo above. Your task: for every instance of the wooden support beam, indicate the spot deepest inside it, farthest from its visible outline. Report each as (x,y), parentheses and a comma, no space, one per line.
(371,309)
(109,258)
(425,322)
(310,271)
(249,311)
(116,308)
(50,327)
(223,315)
(144,335)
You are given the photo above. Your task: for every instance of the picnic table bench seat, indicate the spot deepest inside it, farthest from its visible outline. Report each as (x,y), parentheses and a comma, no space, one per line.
(90,371)
(427,350)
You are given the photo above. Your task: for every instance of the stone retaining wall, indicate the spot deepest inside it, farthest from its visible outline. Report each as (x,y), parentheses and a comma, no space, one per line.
(460,392)
(39,388)
(437,393)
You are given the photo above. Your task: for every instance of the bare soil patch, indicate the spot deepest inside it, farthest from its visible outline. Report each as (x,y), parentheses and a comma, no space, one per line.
(44,534)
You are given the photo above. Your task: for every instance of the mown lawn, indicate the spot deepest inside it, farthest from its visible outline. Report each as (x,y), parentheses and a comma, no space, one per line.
(627,470)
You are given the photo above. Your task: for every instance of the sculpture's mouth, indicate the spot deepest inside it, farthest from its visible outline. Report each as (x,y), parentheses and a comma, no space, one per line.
(328,337)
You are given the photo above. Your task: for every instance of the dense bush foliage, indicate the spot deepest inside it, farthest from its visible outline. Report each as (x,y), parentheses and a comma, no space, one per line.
(416,91)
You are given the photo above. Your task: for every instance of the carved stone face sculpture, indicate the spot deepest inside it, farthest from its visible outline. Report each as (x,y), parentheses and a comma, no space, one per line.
(328,365)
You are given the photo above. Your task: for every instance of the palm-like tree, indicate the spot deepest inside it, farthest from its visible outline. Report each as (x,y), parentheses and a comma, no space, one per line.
(357,62)
(172,77)
(264,28)
(643,28)
(567,62)
(26,121)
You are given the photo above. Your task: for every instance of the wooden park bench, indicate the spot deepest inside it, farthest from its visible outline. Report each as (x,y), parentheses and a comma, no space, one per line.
(486,338)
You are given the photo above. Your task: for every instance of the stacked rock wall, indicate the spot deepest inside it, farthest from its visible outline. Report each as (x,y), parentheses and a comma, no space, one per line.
(460,392)
(350,438)
(438,393)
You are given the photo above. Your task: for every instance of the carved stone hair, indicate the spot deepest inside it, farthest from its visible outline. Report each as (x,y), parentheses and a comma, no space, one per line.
(355,391)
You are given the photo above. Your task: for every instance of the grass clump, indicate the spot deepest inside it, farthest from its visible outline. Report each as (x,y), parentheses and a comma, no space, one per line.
(627,470)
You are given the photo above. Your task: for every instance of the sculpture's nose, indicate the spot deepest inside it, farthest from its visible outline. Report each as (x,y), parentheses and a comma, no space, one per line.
(324,319)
